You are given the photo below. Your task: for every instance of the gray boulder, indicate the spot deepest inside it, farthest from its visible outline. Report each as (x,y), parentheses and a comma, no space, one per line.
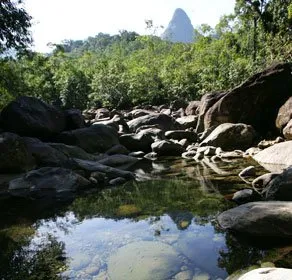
(92,166)
(47,182)
(284,114)
(193,108)
(167,148)
(14,154)
(268,273)
(164,122)
(262,181)
(137,142)
(181,134)
(118,160)
(275,158)
(187,122)
(229,136)
(287,131)
(93,139)
(280,188)
(270,218)
(29,116)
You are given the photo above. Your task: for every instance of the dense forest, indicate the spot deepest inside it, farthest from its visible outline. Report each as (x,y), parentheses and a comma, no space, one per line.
(128,69)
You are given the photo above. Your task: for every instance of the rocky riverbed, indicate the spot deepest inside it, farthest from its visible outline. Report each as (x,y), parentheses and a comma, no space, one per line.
(52,156)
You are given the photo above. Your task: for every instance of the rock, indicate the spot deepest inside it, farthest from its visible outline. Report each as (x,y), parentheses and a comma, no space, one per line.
(210,151)
(287,131)
(165,111)
(268,273)
(137,142)
(193,108)
(231,155)
(118,160)
(184,275)
(189,154)
(230,136)
(144,260)
(117,181)
(110,172)
(270,218)
(252,151)
(275,158)
(73,151)
(74,119)
(184,143)
(207,101)
(268,143)
(115,123)
(96,138)
(187,122)
(47,182)
(117,149)
(14,154)
(163,121)
(280,188)
(136,113)
(44,154)
(138,154)
(243,196)
(249,171)
(167,148)
(199,156)
(284,114)
(102,113)
(257,99)
(100,177)
(29,116)
(155,133)
(151,156)
(181,134)
(262,181)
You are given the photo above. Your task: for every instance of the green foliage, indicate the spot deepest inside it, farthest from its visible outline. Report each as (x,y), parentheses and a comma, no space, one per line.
(14,26)
(127,69)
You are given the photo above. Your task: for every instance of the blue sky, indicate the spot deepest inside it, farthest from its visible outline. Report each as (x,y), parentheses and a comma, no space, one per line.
(56,20)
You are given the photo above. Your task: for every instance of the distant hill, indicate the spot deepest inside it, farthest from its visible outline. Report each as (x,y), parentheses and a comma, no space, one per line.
(180,28)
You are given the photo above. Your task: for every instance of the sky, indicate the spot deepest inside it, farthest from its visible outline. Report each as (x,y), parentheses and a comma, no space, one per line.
(57,20)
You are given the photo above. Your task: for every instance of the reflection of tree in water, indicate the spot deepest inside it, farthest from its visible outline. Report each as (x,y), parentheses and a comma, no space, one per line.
(239,254)
(20,259)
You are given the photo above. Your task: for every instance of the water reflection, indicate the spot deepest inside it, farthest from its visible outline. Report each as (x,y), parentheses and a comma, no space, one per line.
(173,214)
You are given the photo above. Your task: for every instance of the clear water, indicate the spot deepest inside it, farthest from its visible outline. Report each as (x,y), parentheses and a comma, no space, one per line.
(161,227)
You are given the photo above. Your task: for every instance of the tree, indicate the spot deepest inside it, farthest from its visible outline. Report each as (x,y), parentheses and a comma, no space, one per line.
(14,25)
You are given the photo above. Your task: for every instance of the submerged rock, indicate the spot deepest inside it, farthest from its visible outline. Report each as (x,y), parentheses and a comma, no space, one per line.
(144,260)
(270,218)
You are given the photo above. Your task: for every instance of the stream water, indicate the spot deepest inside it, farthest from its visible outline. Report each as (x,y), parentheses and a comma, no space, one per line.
(161,227)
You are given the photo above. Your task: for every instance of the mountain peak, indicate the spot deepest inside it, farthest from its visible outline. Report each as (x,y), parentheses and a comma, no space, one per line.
(180,28)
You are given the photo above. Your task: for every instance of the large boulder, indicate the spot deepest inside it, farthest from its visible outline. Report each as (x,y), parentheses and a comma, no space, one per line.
(192,108)
(207,101)
(14,154)
(44,154)
(287,131)
(187,122)
(47,182)
(231,136)
(267,273)
(96,138)
(256,101)
(167,148)
(270,218)
(280,188)
(162,121)
(276,157)
(137,142)
(284,114)
(29,116)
